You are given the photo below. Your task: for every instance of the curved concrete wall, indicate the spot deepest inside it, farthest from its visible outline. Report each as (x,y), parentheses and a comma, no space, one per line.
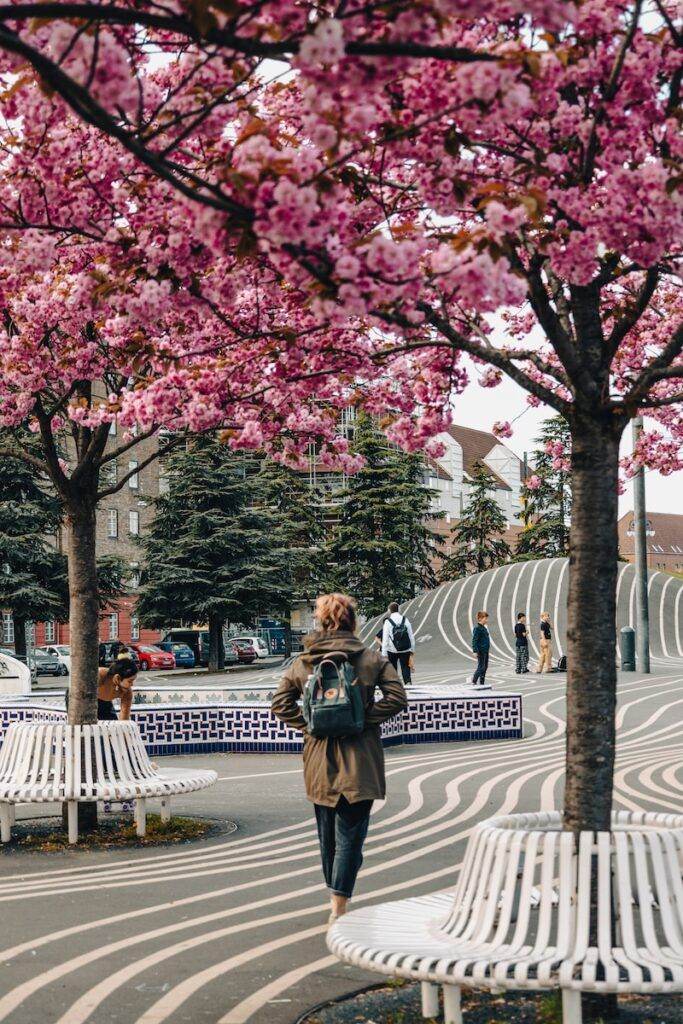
(443,618)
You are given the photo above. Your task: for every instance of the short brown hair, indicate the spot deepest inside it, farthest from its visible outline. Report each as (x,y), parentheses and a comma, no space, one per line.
(482,615)
(393,607)
(335,612)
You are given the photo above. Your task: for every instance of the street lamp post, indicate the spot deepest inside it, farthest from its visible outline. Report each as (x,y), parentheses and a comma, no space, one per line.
(640,539)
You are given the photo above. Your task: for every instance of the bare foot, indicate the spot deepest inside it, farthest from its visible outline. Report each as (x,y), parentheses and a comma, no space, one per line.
(338,906)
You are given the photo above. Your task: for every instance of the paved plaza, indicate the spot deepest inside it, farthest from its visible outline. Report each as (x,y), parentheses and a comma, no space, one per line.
(231,929)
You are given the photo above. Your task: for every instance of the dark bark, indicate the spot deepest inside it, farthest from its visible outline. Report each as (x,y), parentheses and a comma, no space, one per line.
(591,643)
(19,635)
(84,613)
(591,624)
(83,628)
(216,646)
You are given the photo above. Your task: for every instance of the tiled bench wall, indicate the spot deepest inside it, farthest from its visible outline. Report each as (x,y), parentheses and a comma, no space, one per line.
(248,726)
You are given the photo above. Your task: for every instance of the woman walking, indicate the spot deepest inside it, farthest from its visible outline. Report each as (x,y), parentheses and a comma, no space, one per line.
(342,774)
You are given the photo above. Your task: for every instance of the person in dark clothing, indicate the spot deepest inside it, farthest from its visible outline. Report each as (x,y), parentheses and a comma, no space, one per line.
(521,645)
(481,643)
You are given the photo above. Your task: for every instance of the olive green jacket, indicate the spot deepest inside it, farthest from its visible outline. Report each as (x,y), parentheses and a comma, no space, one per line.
(349,766)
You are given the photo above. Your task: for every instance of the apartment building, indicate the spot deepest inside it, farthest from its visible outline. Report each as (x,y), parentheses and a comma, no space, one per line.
(121,518)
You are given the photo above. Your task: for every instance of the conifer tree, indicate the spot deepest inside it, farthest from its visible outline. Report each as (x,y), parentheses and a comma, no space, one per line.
(477,538)
(212,553)
(33,584)
(382,548)
(546,508)
(298,525)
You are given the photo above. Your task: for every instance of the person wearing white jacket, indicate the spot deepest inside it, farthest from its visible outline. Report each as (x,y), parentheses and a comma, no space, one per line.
(398,641)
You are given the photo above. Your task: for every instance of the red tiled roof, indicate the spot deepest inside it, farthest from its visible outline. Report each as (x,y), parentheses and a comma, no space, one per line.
(664,533)
(476,445)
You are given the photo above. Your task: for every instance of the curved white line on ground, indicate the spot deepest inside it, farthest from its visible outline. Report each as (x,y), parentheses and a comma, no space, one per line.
(532,633)
(662,596)
(556,611)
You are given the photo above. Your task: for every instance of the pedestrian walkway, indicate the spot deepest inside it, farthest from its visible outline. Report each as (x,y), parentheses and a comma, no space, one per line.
(231,930)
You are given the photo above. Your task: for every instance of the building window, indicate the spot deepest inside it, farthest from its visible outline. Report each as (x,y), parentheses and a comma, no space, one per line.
(134,578)
(134,481)
(134,523)
(113,620)
(7,628)
(112,523)
(134,628)
(50,632)
(109,473)
(164,486)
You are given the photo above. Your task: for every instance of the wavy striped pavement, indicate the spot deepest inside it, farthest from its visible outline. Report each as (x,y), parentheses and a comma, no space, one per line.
(443,618)
(231,931)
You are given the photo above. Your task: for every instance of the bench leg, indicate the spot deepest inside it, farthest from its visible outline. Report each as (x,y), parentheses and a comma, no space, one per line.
(452,1014)
(72,818)
(430,999)
(166,808)
(571,1006)
(141,816)
(5,822)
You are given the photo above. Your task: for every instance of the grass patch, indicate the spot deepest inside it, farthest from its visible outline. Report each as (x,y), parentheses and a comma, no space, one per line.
(112,833)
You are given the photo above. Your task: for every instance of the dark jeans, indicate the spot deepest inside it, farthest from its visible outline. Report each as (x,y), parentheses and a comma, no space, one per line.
(403,657)
(482,665)
(522,659)
(342,831)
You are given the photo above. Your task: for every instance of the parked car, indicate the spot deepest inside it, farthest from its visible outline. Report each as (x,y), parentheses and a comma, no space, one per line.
(110,649)
(183,653)
(62,652)
(245,652)
(48,664)
(196,639)
(257,642)
(152,656)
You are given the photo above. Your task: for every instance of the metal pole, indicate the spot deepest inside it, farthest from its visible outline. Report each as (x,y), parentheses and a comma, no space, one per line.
(640,540)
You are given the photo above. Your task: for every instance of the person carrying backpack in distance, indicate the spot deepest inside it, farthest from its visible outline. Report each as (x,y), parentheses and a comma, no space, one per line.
(481,644)
(398,641)
(521,645)
(335,679)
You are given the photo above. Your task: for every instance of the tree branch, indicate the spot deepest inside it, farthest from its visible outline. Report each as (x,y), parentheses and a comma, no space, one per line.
(86,107)
(629,320)
(250,46)
(652,373)
(157,454)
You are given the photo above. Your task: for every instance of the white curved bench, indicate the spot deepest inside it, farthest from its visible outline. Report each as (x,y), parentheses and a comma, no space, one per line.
(44,762)
(520,916)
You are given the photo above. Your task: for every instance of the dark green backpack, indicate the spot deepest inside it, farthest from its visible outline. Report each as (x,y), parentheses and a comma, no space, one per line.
(333,701)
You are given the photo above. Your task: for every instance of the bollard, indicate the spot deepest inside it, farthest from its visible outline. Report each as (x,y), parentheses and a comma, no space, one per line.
(627,644)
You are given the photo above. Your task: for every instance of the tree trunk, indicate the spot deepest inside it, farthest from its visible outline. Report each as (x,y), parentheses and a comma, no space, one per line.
(83,615)
(19,635)
(591,647)
(591,625)
(83,630)
(216,647)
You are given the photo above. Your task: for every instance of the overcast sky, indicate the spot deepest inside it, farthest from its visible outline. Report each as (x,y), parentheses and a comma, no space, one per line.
(481,407)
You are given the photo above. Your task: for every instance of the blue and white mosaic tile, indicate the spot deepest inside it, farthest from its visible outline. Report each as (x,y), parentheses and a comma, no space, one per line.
(249,726)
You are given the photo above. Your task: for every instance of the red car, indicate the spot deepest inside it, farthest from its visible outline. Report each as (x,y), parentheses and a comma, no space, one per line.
(244,650)
(153,657)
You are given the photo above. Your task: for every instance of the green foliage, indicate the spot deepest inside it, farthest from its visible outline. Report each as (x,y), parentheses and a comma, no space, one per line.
(297,513)
(477,536)
(214,551)
(547,509)
(33,583)
(381,549)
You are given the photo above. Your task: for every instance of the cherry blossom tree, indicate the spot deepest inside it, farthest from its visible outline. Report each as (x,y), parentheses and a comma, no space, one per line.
(408,176)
